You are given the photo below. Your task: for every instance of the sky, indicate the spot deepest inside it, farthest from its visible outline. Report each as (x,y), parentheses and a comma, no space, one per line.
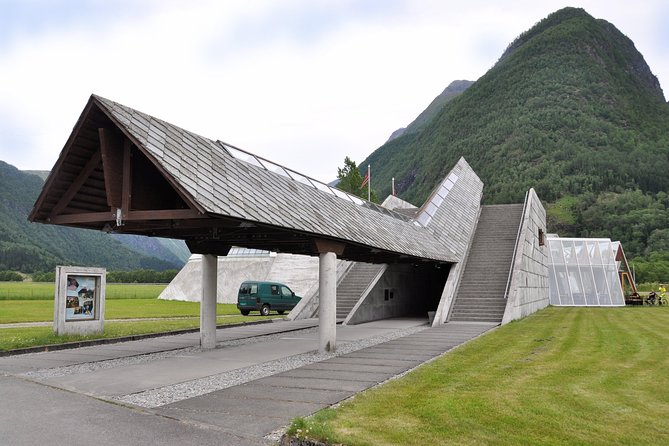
(303,83)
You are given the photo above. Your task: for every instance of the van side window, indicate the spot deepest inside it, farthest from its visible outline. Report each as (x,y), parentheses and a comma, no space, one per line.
(275,290)
(285,292)
(254,288)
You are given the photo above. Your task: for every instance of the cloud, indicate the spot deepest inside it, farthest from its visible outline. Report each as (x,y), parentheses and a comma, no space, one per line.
(301,82)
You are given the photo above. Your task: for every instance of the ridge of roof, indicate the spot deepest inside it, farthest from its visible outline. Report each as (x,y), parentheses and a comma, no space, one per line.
(224,185)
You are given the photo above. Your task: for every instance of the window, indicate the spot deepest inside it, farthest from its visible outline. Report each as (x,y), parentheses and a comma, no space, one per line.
(542,237)
(274,289)
(254,289)
(285,291)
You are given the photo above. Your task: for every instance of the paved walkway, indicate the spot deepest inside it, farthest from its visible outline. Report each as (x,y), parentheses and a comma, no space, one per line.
(241,414)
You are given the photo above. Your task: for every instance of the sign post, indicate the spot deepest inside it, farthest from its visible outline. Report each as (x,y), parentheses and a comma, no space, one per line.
(79,300)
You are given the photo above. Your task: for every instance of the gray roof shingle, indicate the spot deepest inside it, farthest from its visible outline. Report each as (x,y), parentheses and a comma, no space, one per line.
(225,185)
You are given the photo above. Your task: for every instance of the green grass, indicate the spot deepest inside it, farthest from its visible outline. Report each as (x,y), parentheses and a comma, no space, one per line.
(13,338)
(12,311)
(45,290)
(595,376)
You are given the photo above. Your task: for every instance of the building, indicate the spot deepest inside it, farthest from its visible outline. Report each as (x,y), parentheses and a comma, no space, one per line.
(124,171)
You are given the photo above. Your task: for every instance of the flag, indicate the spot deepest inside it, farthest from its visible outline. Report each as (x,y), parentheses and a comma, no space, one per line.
(365,181)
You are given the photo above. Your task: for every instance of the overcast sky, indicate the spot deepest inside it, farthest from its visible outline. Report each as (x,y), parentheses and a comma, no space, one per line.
(301,82)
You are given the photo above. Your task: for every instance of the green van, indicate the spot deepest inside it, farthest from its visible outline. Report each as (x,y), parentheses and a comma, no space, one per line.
(265,296)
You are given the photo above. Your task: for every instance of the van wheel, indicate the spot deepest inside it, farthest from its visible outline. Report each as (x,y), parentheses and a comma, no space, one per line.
(245,312)
(280,311)
(264,310)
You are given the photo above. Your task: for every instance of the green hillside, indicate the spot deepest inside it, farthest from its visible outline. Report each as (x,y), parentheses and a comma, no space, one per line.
(572,109)
(30,247)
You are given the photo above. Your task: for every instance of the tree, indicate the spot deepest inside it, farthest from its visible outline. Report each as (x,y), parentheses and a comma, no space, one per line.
(350,180)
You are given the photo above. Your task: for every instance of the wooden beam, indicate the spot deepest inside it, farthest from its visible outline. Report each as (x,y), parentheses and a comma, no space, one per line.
(215,247)
(76,184)
(88,217)
(127,178)
(111,146)
(163,214)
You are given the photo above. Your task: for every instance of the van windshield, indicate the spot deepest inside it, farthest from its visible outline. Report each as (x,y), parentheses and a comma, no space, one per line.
(285,291)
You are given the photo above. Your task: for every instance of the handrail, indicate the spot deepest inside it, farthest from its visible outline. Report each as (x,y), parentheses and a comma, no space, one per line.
(515,248)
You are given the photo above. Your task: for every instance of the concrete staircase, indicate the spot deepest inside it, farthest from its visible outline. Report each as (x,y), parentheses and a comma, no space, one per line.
(352,286)
(480,296)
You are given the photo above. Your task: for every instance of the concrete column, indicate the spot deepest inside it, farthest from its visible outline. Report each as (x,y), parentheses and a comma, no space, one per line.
(327,310)
(208,301)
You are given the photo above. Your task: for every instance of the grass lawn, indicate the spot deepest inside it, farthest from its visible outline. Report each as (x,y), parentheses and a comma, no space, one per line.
(45,290)
(587,376)
(42,310)
(13,338)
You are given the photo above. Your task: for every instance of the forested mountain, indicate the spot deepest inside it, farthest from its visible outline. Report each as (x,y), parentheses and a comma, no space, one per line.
(30,247)
(450,92)
(572,109)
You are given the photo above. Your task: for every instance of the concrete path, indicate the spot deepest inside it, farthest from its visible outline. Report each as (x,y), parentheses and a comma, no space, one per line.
(242,414)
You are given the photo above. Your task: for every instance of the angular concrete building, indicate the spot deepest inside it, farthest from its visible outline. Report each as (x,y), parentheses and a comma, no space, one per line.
(125,171)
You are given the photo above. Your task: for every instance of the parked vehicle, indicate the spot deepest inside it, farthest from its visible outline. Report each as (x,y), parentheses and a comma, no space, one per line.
(264,297)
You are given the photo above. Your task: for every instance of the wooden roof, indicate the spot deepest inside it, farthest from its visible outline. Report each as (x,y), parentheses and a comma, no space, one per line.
(125,171)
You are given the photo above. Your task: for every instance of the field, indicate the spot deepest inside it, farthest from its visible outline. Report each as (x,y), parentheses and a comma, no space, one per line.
(45,291)
(595,376)
(33,302)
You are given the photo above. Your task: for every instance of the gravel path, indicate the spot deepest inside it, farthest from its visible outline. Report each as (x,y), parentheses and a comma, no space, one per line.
(177,392)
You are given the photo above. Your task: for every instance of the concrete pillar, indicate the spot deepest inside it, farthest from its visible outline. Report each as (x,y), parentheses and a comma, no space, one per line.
(208,301)
(327,310)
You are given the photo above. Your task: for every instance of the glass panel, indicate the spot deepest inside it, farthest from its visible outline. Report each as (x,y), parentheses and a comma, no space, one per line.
(437,200)
(581,252)
(301,178)
(431,209)
(569,252)
(340,193)
(236,152)
(275,168)
(556,251)
(423,218)
(563,285)
(553,294)
(605,250)
(589,289)
(595,257)
(575,285)
(323,187)
(615,292)
(600,284)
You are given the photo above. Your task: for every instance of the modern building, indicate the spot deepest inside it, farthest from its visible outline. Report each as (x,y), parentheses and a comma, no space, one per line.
(124,171)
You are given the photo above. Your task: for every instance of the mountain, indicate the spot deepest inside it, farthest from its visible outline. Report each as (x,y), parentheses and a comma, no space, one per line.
(450,92)
(572,109)
(30,247)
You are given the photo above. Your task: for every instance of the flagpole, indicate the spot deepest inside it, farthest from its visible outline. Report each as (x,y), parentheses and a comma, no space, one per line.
(393,186)
(369,182)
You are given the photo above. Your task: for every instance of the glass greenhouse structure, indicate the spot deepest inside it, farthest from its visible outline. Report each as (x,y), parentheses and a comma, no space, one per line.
(585,272)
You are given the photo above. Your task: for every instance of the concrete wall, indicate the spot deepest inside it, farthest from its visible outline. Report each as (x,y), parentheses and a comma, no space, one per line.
(307,307)
(415,291)
(455,224)
(529,283)
(298,272)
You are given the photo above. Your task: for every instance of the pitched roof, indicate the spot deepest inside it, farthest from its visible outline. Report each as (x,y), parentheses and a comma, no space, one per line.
(212,180)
